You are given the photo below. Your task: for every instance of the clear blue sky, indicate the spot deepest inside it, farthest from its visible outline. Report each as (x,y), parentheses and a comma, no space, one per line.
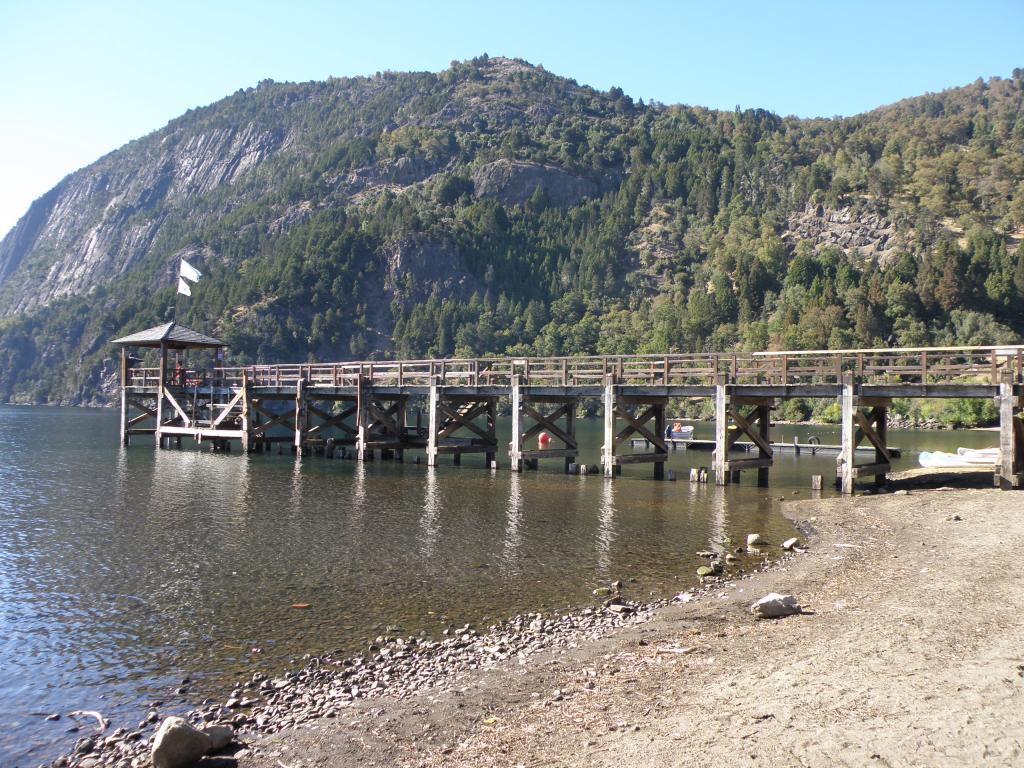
(82,78)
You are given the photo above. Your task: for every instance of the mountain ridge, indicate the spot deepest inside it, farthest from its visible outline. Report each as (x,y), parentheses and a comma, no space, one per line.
(392,215)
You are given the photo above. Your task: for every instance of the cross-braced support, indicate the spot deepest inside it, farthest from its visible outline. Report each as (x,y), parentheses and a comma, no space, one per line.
(737,417)
(526,408)
(644,415)
(382,423)
(456,428)
(264,420)
(136,411)
(858,424)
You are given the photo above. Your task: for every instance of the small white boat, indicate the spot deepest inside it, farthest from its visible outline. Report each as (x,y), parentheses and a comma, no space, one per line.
(964,457)
(678,431)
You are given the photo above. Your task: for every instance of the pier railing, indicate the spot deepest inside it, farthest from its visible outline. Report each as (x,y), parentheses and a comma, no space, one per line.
(933,365)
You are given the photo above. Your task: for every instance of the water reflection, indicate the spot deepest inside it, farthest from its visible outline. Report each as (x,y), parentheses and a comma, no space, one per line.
(513,518)
(718,520)
(606,528)
(429,527)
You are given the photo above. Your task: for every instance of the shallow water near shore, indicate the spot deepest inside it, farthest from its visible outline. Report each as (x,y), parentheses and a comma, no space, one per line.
(124,572)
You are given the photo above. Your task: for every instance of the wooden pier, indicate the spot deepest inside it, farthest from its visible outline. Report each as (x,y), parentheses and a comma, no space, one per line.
(365,406)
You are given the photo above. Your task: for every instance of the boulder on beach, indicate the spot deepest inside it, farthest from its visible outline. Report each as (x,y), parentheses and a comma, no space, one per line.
(179,745)
(775,606)
(220,736)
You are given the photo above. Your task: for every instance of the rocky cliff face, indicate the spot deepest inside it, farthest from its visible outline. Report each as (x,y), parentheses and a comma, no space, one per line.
(867,235)
(100,221)
(514,183)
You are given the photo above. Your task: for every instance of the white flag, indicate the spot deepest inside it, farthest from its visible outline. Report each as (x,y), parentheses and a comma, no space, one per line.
(189,272)
(183,287)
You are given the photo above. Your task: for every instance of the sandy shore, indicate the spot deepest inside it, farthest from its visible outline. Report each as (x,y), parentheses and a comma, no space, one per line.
(911,653)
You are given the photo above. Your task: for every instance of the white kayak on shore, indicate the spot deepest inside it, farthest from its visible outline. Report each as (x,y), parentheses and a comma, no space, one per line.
(964,457)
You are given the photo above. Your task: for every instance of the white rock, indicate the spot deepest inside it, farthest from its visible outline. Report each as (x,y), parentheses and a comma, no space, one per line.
(178,744)
(789,544)
(774,606)
(220,736)
(754,540)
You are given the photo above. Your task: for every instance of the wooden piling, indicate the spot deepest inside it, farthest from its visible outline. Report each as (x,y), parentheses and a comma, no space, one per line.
(1011,437)
(844,462)
(721,458)
(432,404)
(608,447)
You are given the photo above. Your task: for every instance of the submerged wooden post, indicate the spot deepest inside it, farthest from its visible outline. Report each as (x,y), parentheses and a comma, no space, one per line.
(721,458)
(844,463)
(492,430)
(402,420)
(570,429)
(659,430)
(880,420)
(608,449)
(432,429)
(764,425)
(515,451)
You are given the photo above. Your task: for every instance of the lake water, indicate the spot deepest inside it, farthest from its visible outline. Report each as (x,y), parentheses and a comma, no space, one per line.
(124,571)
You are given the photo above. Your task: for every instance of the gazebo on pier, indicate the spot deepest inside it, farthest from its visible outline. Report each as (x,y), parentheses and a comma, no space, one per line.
(148,391)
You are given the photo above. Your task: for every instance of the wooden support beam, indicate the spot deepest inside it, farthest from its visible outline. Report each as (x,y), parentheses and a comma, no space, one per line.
(275,419)
(641,458)
(608,448)
(329,420)
(362,416)
(844,462)
(764,420)
(1011,438)
(160,396)
(865,470)
(301,417)
(124,397)
(866,427)
(227,408)
(463,417)
(433,401)
(515,449)
(721,457)
(247,441)
(735,465)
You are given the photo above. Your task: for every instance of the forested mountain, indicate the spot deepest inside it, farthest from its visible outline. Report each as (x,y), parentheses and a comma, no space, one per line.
(497,208)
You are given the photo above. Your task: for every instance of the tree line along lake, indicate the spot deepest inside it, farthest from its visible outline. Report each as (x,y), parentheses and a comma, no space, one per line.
(124,572)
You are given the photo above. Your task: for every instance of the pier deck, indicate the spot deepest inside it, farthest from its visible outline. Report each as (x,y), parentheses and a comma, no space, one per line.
(365,405)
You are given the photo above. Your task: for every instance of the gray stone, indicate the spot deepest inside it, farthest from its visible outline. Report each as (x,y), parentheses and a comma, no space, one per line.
(755,540)
(220,735)
(775,606)
(790,544)
(178,744)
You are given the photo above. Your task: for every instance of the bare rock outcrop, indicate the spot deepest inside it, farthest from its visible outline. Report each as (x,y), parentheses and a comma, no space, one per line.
(416,267)
(868,234)
(514,182)
(99,221)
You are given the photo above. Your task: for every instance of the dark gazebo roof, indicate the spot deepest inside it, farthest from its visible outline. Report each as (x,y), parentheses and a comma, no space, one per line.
(171,335)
